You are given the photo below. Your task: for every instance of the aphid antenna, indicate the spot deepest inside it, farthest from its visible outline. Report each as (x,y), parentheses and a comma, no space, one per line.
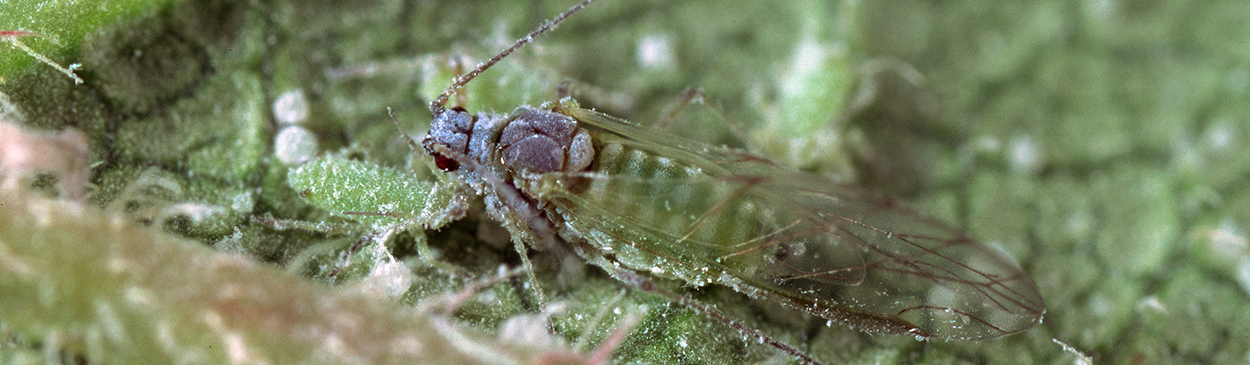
(438,105)
(1081,357)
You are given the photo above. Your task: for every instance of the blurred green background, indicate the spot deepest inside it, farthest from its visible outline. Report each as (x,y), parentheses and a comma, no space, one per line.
(1102,143)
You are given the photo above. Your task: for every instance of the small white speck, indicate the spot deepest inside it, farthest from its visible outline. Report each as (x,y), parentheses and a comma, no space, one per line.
(1023,155)
(655,52)
(110,321)
(808,57)
(291,107)
(294,145)
(1221,136)
(1228,240)
(242,202)
(1153,303)
(1243,273)
(1102,8)
(140,296)
(390,279)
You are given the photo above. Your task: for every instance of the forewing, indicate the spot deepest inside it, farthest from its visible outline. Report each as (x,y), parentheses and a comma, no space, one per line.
(796,238)
(918,269)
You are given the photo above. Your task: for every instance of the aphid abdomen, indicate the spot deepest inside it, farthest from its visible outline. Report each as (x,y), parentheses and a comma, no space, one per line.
(659,199)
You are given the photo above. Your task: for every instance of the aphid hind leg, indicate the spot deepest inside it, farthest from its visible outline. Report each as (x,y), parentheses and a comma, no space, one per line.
(445,306)
(870,84)
(564,89)
(378,237)
(642,283)
(452,301)
(695,97)
(596,96)
(689,96)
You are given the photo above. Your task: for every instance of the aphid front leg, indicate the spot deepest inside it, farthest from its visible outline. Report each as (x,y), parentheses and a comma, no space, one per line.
(540,228)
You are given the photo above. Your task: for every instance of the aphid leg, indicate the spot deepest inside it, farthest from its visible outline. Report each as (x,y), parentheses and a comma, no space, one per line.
(422,249)
(869,87)
(689,96)
(594,322)
(693,96)
(12,36)
(279,224)
(564,89)
(541,229)
(1081,357)
(356,246)
(644,284)
(448,303)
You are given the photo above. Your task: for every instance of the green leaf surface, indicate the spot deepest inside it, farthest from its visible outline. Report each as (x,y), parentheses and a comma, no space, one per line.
(1102,144)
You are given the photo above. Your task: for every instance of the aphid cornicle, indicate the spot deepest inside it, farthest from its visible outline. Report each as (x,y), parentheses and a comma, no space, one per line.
(626,196)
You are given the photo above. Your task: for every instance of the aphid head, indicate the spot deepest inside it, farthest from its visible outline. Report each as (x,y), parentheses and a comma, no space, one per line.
(450,129)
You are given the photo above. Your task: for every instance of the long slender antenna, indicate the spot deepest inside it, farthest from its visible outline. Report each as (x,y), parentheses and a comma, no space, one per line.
(437,106)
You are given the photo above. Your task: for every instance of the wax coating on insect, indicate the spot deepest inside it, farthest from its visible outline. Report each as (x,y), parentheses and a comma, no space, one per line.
(529,140)
(451,129)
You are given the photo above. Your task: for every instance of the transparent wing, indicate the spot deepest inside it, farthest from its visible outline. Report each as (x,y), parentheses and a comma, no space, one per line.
(771,232)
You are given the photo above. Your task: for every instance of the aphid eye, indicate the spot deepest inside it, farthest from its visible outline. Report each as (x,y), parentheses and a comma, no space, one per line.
(446,164)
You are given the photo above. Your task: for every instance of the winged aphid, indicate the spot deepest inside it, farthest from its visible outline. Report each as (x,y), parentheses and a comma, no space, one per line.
(626,196)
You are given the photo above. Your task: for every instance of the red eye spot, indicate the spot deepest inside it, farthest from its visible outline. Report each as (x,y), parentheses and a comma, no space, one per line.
(445,164)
